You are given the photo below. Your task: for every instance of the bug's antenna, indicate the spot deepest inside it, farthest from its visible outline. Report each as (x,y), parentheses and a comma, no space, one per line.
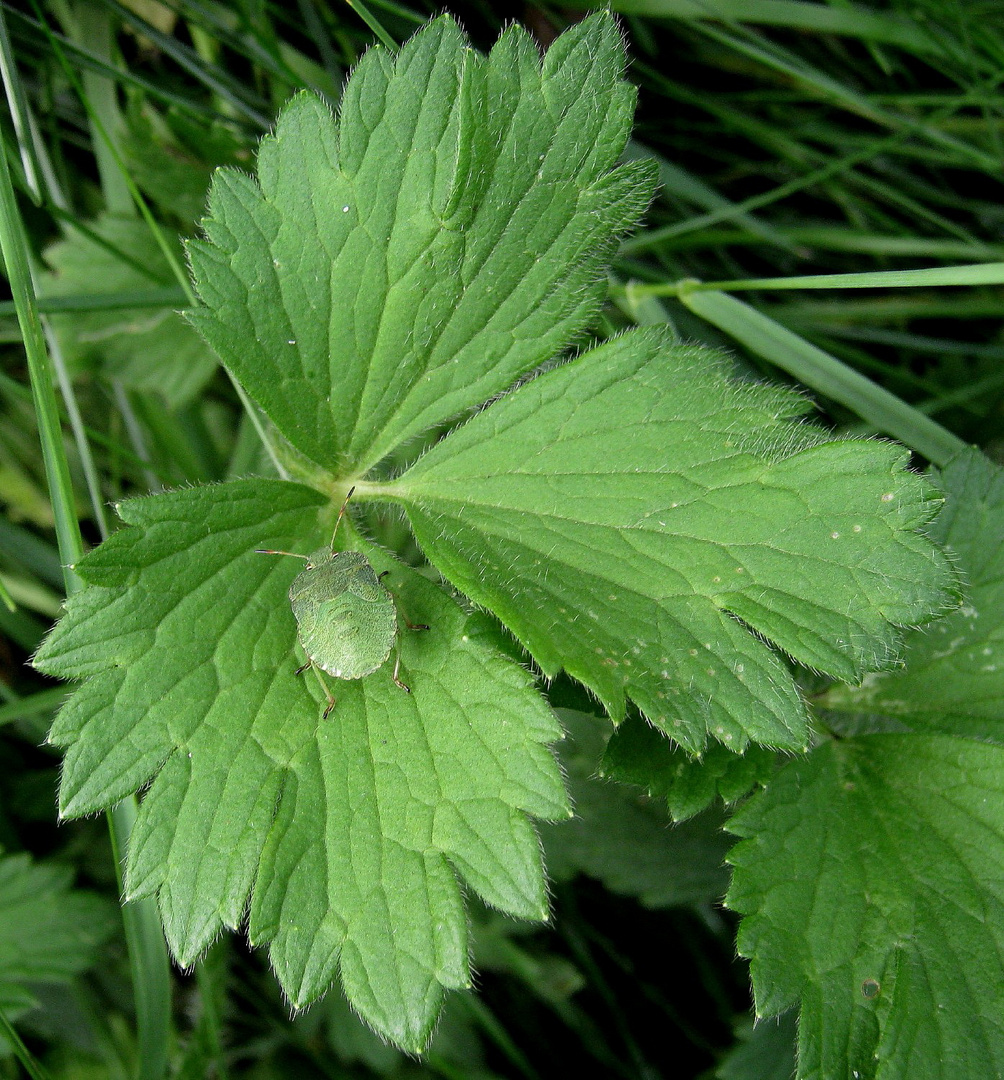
(267,551)
(340,513)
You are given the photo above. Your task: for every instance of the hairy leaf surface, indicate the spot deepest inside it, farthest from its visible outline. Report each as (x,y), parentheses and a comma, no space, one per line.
(349,837)
(871,875)
(632,517)
(446,235)
(953,680)
(639,517)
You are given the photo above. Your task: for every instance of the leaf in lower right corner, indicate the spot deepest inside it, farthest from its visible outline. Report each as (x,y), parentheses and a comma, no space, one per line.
(871,878)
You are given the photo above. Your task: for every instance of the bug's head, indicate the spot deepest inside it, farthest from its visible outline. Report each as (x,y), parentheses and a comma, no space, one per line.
(315,558)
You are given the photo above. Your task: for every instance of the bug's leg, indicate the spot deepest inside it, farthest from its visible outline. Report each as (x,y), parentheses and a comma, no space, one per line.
(397,681)
(327,694)
(382,575)
(416,626)
(303,667)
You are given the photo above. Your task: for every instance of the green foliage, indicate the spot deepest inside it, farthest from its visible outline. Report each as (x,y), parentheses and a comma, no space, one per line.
(627,516)
(892,946)
(49,932)
(171,156)
(375,284)
(766,1052)
(446,236)
(870,871)
(143,348)
(343,833)
(953,678)
(624,839)
(637,754)
(630,513)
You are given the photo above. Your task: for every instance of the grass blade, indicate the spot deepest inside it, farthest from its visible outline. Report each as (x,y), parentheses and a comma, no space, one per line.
(151,970)
(847,19)
(824,373)
(14,245)
(151,974)
(974,274)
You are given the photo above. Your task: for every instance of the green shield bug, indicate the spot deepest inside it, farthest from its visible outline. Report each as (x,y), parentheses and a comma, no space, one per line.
(346,618)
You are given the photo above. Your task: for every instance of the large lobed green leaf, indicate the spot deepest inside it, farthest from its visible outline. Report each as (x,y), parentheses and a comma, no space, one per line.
(349,836)
(449,233)
(872,873)
(645,520)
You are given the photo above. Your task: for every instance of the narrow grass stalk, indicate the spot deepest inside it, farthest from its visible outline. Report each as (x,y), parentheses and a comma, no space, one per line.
(828,167)
(106,143)
(14,245)
(151,972)
(135,432)
(818,82)
(974,274)
(846,19)
(252,410)
(211,1021)
(486,1020)
(94,31)
(38,171)
(147,952)
(91,477)
(824,373)
(238,96)
(21,1052)
(362,10)
(19,114)
(167,297)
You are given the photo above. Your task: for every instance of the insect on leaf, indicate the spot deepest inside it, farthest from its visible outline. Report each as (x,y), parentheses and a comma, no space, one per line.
(349,837)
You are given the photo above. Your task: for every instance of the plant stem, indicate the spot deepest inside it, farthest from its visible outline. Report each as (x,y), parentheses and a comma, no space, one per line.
(147,951)
(14,246)
(151,972)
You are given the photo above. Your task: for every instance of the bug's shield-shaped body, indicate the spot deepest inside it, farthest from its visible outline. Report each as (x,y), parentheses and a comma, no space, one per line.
(346,618)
